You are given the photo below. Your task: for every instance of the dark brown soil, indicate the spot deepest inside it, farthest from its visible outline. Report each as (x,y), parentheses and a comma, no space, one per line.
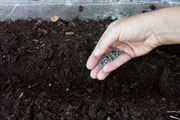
(43,76)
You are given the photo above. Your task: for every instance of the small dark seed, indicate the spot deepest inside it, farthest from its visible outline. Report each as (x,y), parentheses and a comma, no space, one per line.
(80,8)
(152,7)
(109,57)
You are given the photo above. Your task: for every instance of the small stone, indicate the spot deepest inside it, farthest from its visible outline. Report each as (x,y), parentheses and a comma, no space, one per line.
(67,89)
(69,33)
(40,21)
(35,40)
(44,31)
(163,99)
(108,118)
(49,84)
(20,96)
(55,18)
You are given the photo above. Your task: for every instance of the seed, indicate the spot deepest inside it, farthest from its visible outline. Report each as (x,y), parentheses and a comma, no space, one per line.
(109,57)
(80,8)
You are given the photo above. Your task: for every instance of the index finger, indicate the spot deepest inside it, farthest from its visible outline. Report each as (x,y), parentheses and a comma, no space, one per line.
(106,42)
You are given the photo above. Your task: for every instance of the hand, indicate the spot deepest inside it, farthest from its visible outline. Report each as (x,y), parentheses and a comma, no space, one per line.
(133,35)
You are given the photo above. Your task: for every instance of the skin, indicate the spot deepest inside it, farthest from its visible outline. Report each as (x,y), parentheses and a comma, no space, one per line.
(136,35)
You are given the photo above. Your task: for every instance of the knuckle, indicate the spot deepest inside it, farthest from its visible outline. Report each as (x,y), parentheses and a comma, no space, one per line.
(116,62)
(113,24)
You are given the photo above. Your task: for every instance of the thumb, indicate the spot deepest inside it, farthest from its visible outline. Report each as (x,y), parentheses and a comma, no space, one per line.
(105,42)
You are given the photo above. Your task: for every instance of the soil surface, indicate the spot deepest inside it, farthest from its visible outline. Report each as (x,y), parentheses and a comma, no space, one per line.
(43,76)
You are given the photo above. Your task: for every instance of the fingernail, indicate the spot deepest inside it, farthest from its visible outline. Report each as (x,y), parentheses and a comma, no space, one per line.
(93,75)
(105,69)
(97,52)
(100,76)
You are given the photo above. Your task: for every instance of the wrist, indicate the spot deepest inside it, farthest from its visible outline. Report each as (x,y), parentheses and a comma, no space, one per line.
(166,25)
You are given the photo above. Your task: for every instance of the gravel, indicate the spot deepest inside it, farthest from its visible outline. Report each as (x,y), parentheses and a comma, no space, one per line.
(109,57)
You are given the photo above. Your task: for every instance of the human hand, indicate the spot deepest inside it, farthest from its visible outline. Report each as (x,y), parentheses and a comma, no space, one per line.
(133,35)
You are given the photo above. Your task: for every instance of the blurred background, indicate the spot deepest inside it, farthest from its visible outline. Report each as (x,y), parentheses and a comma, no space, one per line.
(83,9)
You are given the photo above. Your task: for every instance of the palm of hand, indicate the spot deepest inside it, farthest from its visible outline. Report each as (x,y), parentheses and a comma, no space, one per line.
(130,38)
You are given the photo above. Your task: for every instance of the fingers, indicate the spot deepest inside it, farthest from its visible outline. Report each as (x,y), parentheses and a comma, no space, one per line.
(92,62)
(102,75)
(99,74)
(94,72)
(106,41)
(125,57)
(109,39)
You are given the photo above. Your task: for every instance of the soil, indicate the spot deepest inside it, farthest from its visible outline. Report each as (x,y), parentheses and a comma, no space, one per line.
(43,76)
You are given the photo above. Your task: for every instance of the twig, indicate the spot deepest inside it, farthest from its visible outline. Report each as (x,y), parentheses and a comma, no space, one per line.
(36,84)
(173,111)
(69,33)
(176,74)
(10,86)
(174,117)
(20,96)
(154,67)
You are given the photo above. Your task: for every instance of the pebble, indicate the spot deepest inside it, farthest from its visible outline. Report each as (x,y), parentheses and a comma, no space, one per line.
(55,18)
(163,99)
(37,48)
(69,33)
(67,89)
(49,84)
(35,40)
(20,96)
(108,118)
